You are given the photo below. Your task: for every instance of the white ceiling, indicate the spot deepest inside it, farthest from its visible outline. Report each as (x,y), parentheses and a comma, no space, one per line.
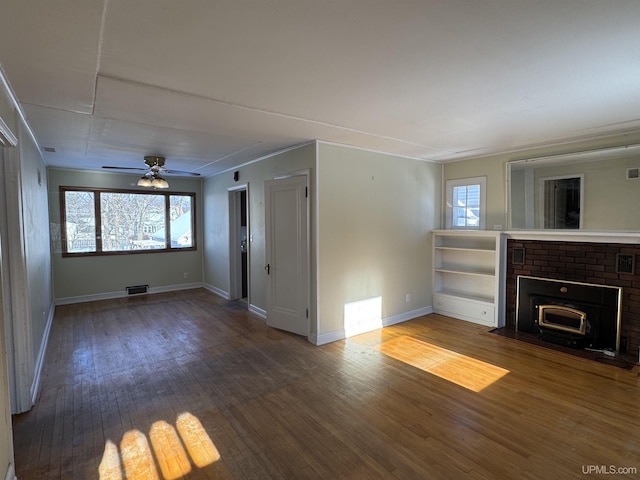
(212,84)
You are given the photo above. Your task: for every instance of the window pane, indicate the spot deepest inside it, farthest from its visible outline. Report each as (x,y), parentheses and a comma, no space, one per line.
(466,206)
(181,221)
(80,227)
(473,195)
(130,220)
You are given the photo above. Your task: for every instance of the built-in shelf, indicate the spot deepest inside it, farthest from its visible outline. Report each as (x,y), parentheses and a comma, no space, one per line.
(466,271)
(468,279)
(487,250)
(467,296)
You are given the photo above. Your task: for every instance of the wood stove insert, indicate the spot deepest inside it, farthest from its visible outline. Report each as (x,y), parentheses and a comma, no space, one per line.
(574,314)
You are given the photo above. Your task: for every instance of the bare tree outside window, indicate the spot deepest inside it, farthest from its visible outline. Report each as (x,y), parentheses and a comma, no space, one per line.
(129,219)
(126,222)
(80,225)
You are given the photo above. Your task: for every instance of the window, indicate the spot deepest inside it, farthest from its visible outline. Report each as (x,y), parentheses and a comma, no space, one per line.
(466,200)
(99,222)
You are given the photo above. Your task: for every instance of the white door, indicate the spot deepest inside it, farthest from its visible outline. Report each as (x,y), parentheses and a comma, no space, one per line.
(287,251)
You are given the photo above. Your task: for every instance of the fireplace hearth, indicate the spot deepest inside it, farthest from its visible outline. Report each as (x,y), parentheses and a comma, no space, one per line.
(573,314)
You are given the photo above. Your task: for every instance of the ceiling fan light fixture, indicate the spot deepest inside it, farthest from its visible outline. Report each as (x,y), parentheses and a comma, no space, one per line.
(159,182)
(144,182)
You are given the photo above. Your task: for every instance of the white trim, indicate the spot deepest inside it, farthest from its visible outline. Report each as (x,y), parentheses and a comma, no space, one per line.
(381,152)
(459,182)
(315,254)
(173,288)
(18,283)
(7,137)
(575,236)
(35,385)
(258,311)
(336,335)
(14,100)
(403,317)
(11,473)
(570,141)
(264,157)
(218,291)
(123,294)
(235,274)
(329,337)
(541,195)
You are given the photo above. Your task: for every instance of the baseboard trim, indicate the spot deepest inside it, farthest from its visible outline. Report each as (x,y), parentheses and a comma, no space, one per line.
(336,335)
(123,294)
(11,473)
(403,317)
(328,337)
(217,291)
(221,293)
(258,311)
(35,385)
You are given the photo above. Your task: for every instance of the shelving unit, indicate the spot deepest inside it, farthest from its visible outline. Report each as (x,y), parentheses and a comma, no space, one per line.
(468,275)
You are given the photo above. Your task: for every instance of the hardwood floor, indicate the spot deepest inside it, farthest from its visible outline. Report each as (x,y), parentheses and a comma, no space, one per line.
(429,398)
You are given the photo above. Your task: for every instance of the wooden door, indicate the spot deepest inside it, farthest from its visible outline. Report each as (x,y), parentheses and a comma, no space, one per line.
(287,247)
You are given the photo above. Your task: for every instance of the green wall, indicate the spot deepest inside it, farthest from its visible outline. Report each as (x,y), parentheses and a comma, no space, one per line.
(89,278)
(216,222)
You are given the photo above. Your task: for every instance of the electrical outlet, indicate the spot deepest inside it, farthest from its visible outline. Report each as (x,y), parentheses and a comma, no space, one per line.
(186,275)
(407,297)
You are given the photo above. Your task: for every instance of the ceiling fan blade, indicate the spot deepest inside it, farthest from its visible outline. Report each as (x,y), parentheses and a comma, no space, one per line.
(179,172)
(125,168)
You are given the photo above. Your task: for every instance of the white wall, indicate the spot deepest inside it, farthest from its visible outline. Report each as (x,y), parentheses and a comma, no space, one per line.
(88,278)
(375,212)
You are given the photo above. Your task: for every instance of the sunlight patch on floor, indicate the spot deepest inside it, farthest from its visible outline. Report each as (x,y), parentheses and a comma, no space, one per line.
(202,450)
(460,369)
(169,447)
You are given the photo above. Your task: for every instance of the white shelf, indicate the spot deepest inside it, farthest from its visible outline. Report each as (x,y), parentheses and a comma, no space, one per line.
(463,249)
(468,277)
(467,296)
(487,273)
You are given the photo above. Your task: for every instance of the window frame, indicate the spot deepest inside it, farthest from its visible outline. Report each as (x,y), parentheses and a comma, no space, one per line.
(98,221)
(466,182)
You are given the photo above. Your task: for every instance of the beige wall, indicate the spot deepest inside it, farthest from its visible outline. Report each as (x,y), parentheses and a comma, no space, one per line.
(216,222)
(375,212)
(610,202)
(81,278)
(494,167)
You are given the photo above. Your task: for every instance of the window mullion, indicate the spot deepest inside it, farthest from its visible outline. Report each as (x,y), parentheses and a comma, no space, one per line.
(98,220)
(167,221)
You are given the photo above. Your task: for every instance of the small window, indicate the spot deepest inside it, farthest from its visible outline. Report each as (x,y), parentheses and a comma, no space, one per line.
(466,200)
(101,222)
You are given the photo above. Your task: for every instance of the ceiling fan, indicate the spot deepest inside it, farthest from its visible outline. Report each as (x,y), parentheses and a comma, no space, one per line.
(152,176)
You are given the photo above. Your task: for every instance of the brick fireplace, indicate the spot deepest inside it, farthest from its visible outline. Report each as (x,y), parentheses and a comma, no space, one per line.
(580,261)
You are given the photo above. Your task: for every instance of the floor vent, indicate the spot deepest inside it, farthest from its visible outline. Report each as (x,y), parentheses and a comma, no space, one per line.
(137,289)
(633,173)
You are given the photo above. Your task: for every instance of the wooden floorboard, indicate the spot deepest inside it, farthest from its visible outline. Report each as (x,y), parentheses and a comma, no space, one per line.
(277,407)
